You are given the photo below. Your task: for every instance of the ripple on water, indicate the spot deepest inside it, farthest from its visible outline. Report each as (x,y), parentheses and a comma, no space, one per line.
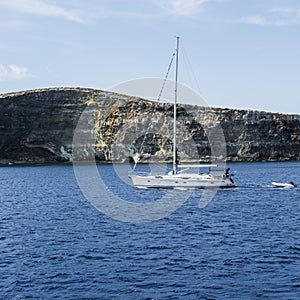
(243,245)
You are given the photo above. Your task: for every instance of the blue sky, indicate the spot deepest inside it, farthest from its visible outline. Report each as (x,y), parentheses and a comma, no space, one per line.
(244,54)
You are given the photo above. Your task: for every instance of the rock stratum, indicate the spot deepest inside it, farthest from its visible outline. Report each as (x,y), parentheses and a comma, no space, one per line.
(66,124)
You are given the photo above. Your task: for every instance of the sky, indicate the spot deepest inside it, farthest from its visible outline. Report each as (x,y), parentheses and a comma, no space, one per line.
(235,53)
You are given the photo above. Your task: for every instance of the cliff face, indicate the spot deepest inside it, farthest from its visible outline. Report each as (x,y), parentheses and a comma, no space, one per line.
(38,126)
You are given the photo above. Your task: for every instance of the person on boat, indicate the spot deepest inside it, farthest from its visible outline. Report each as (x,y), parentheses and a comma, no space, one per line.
(227,172)
(293,184)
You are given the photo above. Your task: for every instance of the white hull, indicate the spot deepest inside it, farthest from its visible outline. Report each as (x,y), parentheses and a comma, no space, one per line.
(189,181)
(283,185)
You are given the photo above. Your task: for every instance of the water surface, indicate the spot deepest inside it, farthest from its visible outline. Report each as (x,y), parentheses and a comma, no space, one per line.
(245,244)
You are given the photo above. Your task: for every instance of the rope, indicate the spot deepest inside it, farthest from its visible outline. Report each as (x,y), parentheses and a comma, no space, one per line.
(153,112)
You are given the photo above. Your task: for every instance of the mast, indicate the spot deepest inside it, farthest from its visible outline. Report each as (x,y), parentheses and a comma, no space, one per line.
(175,108)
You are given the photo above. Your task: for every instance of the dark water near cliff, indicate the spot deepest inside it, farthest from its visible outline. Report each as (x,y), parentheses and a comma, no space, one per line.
(244,245)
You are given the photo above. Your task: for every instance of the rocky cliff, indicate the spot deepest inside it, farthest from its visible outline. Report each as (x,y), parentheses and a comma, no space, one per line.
(38,126)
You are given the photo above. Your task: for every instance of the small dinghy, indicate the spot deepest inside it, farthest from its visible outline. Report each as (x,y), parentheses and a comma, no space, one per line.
(284,185)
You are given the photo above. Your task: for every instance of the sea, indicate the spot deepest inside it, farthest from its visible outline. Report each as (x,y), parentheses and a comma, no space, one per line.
(64,237)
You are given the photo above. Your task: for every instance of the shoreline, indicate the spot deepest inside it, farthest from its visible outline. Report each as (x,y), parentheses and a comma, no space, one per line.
(67,163)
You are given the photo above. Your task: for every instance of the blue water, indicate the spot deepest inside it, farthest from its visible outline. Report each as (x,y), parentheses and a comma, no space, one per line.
(245,244)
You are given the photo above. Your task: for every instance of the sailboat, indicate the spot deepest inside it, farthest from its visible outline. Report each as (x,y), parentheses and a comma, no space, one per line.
(178,177)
